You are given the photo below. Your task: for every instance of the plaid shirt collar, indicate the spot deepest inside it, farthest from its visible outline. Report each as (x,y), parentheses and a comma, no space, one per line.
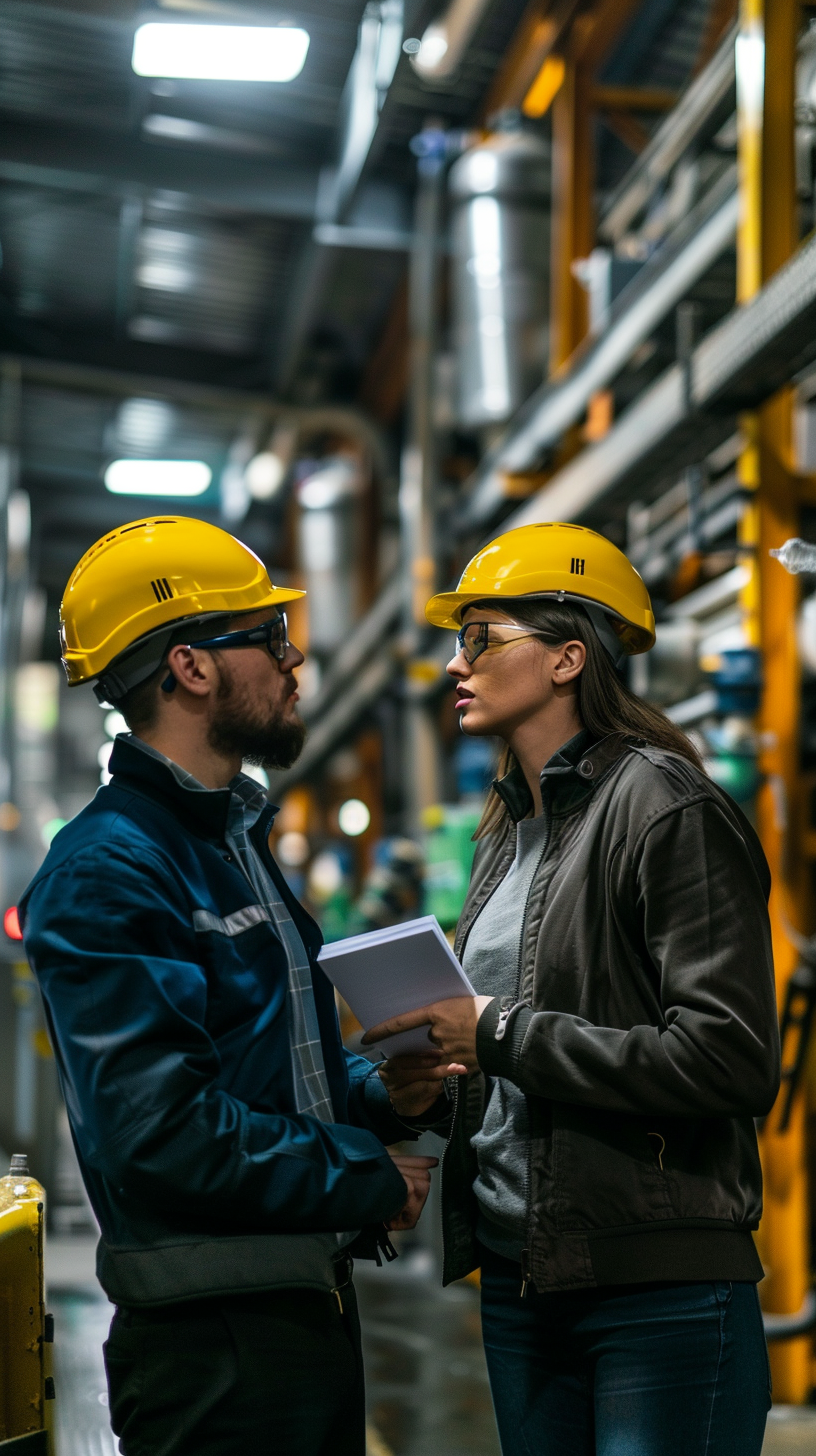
(247,799)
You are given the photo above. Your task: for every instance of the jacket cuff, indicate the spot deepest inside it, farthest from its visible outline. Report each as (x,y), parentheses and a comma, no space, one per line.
(389,1126)
(500,1057)
(434,1119)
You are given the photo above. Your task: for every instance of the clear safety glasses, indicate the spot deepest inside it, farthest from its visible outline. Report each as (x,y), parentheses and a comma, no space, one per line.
(474,638)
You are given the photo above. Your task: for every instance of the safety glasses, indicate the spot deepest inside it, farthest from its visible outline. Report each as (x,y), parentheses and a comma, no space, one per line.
(474,638)
(273,634)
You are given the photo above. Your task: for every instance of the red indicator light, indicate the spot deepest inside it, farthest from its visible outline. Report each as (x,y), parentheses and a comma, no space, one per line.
(11,923)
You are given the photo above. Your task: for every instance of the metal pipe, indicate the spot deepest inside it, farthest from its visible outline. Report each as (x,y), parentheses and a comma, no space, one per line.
(357,649)
(790,1326)
(701,107)
(340,717)
(418,474)
(740,363)
(557,406)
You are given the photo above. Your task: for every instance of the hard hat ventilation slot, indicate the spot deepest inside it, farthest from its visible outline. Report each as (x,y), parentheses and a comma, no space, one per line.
(162,589)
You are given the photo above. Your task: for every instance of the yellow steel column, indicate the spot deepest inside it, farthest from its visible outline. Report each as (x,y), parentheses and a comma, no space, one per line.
(766,58)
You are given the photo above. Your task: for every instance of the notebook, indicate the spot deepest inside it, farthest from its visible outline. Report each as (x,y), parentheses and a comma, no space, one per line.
(400,968)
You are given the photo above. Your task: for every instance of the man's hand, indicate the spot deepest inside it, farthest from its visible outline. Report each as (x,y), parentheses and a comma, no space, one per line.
(452,1029)
(417,1174)
(415,1082)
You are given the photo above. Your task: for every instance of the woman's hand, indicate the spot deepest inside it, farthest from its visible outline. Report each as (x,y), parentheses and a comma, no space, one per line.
(415,1082)
(452,1029)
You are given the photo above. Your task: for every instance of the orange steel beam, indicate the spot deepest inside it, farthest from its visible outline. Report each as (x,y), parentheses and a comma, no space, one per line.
(634,98)
(630,131)
(543,27)
(572,222)
(767,237)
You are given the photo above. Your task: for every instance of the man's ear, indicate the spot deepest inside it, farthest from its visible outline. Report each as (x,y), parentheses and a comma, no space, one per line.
(194,671)
(570,662)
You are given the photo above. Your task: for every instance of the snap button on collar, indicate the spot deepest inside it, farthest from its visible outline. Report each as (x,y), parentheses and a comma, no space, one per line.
(585,768)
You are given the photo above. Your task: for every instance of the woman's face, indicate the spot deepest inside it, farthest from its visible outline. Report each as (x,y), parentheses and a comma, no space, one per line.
(514,679)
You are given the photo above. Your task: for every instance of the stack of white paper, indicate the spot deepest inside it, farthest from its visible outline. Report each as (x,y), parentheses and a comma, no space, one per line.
(385,973)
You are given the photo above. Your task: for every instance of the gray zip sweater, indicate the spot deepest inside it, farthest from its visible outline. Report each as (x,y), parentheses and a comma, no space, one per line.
(492,961)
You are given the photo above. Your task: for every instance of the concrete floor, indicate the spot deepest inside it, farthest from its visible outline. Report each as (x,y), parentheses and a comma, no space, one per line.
(427,1384)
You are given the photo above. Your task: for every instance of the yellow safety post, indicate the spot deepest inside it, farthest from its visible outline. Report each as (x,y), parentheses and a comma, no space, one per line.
(767,236)
(26,1383)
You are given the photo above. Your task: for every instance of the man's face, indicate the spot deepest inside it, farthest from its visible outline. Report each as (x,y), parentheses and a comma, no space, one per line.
(254,709)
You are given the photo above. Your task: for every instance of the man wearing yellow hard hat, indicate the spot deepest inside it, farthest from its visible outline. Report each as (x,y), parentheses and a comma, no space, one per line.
(602,1168)
(231,1148)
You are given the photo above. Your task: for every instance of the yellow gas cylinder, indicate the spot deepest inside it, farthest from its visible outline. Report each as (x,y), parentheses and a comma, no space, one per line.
(26,1385)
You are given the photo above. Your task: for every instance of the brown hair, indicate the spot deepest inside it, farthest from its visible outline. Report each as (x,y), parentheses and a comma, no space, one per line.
(605,704)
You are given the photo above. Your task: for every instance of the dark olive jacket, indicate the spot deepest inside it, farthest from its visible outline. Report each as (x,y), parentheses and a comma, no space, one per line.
(643,1031)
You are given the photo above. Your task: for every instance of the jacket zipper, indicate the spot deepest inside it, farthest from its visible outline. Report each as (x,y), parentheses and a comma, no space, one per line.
(454,1114)
(526,1253)
(455,1080)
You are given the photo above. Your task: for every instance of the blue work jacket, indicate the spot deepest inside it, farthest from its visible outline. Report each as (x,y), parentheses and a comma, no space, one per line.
(173,1050)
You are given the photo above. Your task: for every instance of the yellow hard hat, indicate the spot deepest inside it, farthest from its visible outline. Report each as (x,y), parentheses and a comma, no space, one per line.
(148,576)
(567,563)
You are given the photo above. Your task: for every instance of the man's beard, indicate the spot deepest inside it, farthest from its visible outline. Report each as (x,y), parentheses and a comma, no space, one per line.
(241,726)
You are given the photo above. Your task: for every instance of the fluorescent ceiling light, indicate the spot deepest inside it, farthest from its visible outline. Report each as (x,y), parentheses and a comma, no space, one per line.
(165,275)
(220,52)
(158,477)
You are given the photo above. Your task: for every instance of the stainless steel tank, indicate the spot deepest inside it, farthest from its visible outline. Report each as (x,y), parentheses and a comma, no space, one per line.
(500,200)
(328,535)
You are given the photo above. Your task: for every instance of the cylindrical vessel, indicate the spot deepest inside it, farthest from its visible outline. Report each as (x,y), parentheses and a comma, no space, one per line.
(328,548)
(500,199)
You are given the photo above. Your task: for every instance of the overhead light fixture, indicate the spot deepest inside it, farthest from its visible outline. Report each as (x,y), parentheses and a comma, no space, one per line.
(165,276)
(446,39)
(158,477)
(264,475)
(220,52)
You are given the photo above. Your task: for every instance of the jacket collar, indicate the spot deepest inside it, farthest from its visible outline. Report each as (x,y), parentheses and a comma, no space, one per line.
(569,777)
(206,810)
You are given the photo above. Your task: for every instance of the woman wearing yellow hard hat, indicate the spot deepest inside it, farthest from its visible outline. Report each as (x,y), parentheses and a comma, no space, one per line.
(602,1168)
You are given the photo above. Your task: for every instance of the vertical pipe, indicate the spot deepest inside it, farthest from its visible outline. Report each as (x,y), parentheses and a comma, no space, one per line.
(767,235)
(572,230)
(416,495)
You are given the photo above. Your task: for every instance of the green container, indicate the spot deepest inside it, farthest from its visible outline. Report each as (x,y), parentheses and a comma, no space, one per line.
(449,850)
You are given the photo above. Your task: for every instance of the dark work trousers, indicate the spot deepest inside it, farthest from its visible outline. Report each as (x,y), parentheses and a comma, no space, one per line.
(277,1374)
(652,1370)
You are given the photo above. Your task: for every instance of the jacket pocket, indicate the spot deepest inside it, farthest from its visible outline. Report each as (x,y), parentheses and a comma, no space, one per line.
(608,1169)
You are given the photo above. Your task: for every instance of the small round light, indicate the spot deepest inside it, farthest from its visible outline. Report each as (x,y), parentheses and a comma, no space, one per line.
(264,475)
(353,817)
(115,723)
(104,753)
(11,923)
(325,876)
(293,848)
(9,817)
(51,829)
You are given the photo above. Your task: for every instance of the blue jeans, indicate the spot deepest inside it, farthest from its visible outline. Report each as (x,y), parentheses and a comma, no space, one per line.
(658,1370)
